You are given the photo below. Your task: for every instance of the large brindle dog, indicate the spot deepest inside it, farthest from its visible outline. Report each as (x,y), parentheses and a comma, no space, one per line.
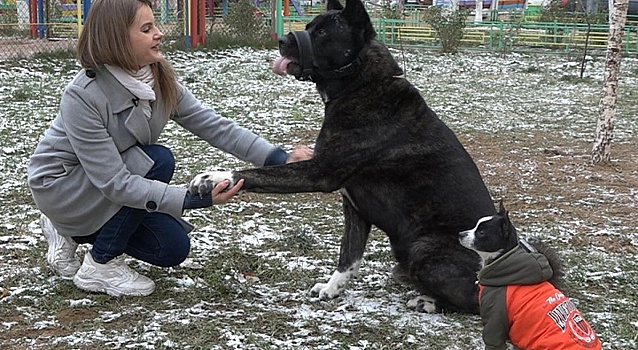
(397,165)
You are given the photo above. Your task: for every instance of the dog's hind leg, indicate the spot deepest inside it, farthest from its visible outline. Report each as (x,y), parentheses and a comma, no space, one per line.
(423,303)
(353,243)
(449,279)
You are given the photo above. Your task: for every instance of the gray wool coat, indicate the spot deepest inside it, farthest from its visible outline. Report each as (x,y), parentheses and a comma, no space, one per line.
(88,165)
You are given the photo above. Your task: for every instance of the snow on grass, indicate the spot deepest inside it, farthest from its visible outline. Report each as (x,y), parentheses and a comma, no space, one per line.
(245,284)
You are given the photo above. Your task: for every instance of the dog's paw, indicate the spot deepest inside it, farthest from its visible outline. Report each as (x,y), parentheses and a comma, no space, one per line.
(324,291)
(422,303)
(336,284)
(204,183)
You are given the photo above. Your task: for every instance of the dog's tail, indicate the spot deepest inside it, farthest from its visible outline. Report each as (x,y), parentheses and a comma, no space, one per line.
(554,261)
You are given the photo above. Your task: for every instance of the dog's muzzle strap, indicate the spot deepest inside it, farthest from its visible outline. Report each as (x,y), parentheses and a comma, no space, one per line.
(307,59)
(306,55)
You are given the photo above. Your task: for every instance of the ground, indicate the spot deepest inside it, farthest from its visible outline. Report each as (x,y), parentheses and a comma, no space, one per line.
(527,121)
(21,48)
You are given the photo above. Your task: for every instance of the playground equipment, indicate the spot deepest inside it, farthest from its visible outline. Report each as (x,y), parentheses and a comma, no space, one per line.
(195,22)
(70,15)
(286,6)
(189,20)
(71,12)
(7,5)
(470,4)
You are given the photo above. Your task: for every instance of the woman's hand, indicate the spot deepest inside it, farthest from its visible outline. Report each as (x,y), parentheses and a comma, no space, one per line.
(222,194)
(300,153)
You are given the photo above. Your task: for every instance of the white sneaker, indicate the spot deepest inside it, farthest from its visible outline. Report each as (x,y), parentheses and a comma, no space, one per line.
(113,278)
(61,254)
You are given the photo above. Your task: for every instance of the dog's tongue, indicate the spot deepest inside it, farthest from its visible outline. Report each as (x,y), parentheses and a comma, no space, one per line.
(280,65)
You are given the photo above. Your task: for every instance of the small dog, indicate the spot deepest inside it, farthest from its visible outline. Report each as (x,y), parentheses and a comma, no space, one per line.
(518,294)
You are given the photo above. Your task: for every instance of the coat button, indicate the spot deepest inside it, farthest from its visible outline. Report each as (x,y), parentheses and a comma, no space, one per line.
(151,206)
(90,73)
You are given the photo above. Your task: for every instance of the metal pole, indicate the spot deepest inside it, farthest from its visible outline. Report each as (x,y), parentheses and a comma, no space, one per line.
(78,15)
(33,18)
(187,22)
(87,7)
(41,27)
(280,19)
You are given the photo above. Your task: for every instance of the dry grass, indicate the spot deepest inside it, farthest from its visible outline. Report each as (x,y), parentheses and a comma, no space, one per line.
(554,177)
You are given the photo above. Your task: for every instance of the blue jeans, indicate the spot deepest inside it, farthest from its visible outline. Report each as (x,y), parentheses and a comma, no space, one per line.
(155,238)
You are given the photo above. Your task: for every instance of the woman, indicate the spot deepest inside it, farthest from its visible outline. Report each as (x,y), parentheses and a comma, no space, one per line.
(98,175)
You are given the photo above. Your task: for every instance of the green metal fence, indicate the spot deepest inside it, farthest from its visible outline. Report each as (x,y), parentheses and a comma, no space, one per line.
(516,36)
(515,31)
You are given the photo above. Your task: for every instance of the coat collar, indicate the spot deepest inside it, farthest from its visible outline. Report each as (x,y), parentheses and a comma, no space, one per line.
(119,97)
(122,99)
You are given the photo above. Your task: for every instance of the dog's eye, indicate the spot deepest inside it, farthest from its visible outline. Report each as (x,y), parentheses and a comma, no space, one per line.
(321,32)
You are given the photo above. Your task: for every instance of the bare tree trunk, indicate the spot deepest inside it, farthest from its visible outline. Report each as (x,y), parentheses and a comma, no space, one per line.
(584,60)
(607,106)
(610,9)
(478,11)
(454,5)
(588,12)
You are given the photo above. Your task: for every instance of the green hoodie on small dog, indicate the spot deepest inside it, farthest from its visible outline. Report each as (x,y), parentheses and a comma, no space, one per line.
(518,304)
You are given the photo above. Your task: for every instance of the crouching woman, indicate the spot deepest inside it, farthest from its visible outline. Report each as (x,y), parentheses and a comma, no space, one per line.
(98,174)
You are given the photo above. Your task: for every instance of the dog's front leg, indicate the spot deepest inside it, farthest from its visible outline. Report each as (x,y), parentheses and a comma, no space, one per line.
(303,176)
(353,243)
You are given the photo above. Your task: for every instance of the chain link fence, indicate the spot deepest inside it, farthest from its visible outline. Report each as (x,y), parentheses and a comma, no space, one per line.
(54,30)
(19,37)
(57,26)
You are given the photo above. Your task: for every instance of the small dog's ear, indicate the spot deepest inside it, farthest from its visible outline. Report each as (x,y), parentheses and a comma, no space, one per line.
(501,207)
(506,225)
(333,5)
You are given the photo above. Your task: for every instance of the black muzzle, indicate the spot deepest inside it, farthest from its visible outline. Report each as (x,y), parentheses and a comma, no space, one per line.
(307,60)
(306,55)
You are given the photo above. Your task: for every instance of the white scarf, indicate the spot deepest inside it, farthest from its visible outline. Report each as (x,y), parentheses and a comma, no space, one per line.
(139,83)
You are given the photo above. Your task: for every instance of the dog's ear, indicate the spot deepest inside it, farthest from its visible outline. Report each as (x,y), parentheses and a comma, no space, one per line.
(506,216)
(501,207)
(357,16)
(333,5)
(506,224)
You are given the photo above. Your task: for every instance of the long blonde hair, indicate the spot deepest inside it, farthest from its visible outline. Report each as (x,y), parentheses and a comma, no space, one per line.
(105,40)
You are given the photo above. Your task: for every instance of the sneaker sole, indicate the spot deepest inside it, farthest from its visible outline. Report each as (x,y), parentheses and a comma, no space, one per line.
(64,275)
(99,287)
